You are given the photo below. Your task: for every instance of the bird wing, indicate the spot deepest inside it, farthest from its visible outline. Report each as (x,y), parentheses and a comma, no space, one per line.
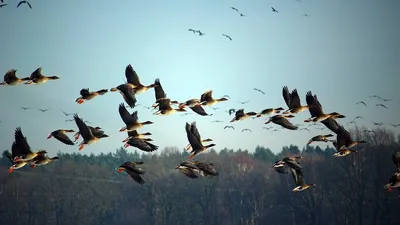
(136,177)
(84,130)
(195,131)
(142,144)
(292,163)
(125,115)
(164,104)
(239,113)
(199,110)
(84,92)
(131,76)
(282,169)
(190,165)
(159,91)
(10,76)
(316,109)
(294,99)
(21,142)
(194,142)
(133,133)
(286,123)
(300,177)
(63,138)
(128,95)
(331,124)
(346,137)
(188,172)
(286,95)
(206,168)
(37,73)
(206,96)
(29,4)
(294,175)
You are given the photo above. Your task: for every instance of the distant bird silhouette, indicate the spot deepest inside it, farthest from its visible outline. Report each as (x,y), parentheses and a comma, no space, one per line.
(305,129)
(67,114)
(229,127)
(185,114)
(200,33)
(2,5)
(241,14)
(227,36)
(246,130)
(374,96)
(369,131)
(26,2)
(267,128)
(358,117)
(25,108)
(69,120)
(321,128)
(215,108)
(395,125)
(43,110)
(194,31)
(386,99)
(217,121)
(274,10)
(235,9)
(305,14)
(256,89)
(352,122)
(381,105)
(377,124)
(361,102)
(231,111)
(244,102)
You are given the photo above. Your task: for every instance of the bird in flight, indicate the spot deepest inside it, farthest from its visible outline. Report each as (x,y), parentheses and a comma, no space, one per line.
(244,102)
(200,33)
(241,14)
(305,129)
(386,99)
(381,105)
(377,123)
(361,102)
(217,121)
(43,110)
(256,89)
(246,130)
(67,114)
(235,9)
(374,96)
(305,14)
(395,125)
(26,2)
(2,5)
(227,36)
(194,31)
(24,108)
(184,114)
(229,127)
(274,10)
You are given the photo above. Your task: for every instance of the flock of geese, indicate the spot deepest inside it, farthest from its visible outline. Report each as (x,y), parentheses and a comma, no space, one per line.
(21,153)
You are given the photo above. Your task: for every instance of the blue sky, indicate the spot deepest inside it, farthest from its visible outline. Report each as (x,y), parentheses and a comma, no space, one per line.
(344,52)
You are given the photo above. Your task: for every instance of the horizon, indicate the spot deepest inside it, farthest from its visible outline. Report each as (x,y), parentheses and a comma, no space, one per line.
(341,54)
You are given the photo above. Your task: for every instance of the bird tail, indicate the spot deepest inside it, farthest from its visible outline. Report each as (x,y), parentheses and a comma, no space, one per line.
(3,83)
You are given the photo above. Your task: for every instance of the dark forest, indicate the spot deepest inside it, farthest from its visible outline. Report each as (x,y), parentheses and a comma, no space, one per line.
(86,189)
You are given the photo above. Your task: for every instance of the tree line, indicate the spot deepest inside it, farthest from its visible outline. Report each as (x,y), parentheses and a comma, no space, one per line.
(85,189)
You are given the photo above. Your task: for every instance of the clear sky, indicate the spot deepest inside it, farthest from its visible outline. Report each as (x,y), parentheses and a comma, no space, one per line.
(343,52)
